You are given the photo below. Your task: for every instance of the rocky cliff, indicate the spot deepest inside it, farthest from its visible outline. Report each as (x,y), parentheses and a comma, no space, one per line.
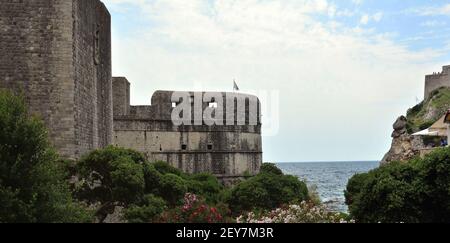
(422,116)
(404,146)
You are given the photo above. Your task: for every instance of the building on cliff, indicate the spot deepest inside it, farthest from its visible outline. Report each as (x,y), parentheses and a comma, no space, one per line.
(409,138)
(437,80)
(227,151)
(58,54)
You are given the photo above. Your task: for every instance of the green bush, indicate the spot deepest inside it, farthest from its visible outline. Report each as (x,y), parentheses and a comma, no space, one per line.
(148,211)
(152,178)
(33,186)
(388,194)
(206,185)
(114,176)
(417,191)
(434,174)
(111,177)
(173,188)
(164,168)
(271,168)
(266,191)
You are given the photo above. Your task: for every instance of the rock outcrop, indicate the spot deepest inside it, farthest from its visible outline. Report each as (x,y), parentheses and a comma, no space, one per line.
(404,146)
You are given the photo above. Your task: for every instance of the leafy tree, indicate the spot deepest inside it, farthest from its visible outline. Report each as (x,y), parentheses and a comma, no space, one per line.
(434,172)
(147,211)
(164,168)
(271,168)
(417,191)
(205,185)
(267,190)
(152,179)
(33,186)
(388,194)
(112,177)
(173,188)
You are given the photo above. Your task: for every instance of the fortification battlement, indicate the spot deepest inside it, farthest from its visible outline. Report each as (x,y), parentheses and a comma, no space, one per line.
(437,80)
(445,72)
(163,104)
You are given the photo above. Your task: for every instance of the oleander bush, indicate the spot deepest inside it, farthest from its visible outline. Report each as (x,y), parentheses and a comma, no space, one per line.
(300,213)
(196,210)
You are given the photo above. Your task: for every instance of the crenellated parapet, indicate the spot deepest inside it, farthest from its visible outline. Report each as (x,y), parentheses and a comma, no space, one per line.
(437,80)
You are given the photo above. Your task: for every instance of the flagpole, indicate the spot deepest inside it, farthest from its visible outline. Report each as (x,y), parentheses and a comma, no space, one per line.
(235,86)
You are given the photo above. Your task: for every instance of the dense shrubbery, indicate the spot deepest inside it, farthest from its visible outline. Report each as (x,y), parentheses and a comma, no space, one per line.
(417,191)
(268,190)
(154,192)
(271,169)
(147,211)
(33,180)
(116,177)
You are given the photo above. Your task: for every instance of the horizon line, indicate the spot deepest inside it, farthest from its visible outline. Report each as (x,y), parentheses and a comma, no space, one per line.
(336,161)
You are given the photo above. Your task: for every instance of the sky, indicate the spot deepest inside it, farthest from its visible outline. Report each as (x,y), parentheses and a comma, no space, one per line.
(344,70)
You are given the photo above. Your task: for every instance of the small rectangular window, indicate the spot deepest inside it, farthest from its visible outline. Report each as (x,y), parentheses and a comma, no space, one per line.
(210,147)
(184,147)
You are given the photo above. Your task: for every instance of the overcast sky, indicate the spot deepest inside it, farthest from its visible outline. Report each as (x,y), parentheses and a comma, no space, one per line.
(344,70)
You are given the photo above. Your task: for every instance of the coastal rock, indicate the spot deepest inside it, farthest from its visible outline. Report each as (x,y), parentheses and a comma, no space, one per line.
(400,123)
(404,146)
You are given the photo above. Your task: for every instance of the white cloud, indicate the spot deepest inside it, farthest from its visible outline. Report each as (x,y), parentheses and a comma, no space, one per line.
(357,2)
(431,11)
(433,23)
(377,17)
(335,81)
(366,18)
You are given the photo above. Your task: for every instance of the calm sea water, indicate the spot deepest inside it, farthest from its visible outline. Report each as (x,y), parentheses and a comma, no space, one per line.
(330,178)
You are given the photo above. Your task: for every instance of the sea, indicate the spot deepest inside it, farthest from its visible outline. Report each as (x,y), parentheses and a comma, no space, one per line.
(329,178)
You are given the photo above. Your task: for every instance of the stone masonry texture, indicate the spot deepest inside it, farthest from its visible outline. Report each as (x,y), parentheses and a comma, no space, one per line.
(228,151)
(57,53)
(437,80)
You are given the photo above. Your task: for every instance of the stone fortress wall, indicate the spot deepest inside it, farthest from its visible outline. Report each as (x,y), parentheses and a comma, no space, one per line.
(228,151)
(58,53)
(437,80)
